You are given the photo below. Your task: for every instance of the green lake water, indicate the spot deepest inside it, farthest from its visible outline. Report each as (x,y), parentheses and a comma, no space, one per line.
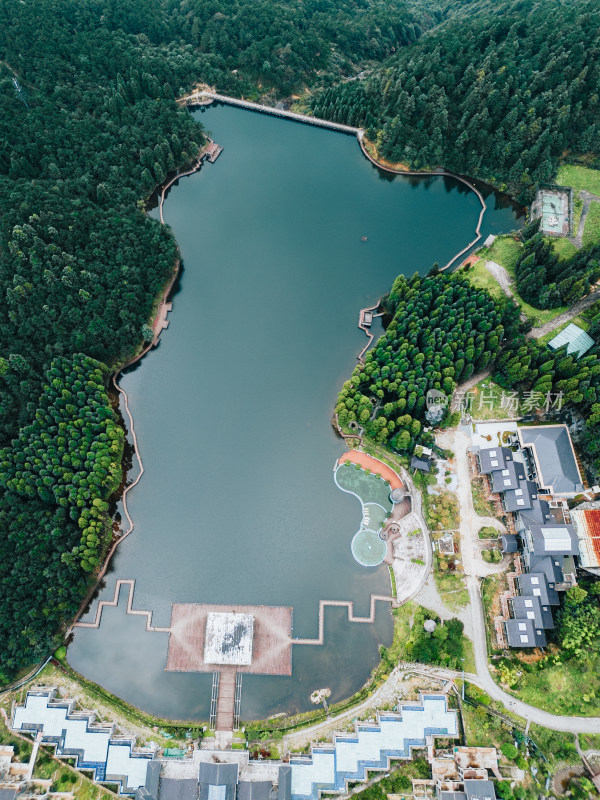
(232,410)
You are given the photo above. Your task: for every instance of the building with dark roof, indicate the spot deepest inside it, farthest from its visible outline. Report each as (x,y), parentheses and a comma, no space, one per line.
(550,540)
(523,633)
(536,584)
(217,781)
(493,458)
(508,478)
(521,498)
(254,790)
(480,790)
(178,789)
(530,607)
(420,462)
(509,543)
(550,459)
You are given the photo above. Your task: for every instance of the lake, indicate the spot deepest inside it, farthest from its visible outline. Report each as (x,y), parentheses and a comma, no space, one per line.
(232,411)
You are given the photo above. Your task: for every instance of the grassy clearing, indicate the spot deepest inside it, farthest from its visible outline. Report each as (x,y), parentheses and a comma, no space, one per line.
(487,402)
(450,584)
(563,247)
(572,686)
(579,178)
(487,532)
(591,232)
(589,741)
(481,278)
(505,251)
(482,507)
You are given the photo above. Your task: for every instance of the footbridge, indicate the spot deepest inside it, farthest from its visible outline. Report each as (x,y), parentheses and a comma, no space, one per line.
(202,96)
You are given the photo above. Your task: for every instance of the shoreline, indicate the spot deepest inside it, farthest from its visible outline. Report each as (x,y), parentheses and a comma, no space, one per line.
(434,173)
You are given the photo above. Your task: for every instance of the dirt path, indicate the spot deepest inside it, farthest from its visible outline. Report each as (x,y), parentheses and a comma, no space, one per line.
(577,308)
(588,198)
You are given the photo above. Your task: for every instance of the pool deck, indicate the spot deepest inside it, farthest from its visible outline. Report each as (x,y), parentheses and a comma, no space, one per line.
(374,465)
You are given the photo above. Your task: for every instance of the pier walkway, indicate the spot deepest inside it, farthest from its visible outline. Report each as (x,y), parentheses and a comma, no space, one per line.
(276,112)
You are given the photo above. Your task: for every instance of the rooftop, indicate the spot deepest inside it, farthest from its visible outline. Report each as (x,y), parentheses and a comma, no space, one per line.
(587,528)
(524,633)
(554,457)
(492,458)
(577,340)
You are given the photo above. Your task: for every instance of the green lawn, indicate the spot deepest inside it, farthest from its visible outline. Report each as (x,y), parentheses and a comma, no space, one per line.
(487,401)
(478,276)
(563,247)
(570,687)
(487,532)
(505,251)
(579,178)
(591,232)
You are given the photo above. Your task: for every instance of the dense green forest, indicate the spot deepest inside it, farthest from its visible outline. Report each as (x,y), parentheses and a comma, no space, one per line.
(547,282)
(499,95)
(442,331)
(56,475)
(80,267)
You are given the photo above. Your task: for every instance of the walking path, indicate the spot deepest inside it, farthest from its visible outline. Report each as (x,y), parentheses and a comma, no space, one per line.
(373,465)
(588,198)
(576,308)
(349,605)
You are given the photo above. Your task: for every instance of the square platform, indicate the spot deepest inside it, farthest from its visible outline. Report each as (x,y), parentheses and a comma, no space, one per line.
(271,639)
(228,638)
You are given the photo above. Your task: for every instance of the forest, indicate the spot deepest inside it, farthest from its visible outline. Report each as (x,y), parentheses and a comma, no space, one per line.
(547,282)
(441,331)
(500,95)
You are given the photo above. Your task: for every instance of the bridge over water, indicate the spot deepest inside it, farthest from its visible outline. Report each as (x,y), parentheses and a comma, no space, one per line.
(277,112)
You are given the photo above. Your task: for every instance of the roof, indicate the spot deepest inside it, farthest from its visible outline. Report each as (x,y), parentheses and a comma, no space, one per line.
(577,340)
(536,584)
(523,633)
(522,497)
(539,513)
(509,543)
(284,779)
(529,607)
(554,457)
(491,458)
(424,464)
(508,478)
(453,796)
(553,540)
(178,789)
(254,790)
(551,566)
(153,778)
(587,528)
(8,794)
(217,781)
(479,790)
